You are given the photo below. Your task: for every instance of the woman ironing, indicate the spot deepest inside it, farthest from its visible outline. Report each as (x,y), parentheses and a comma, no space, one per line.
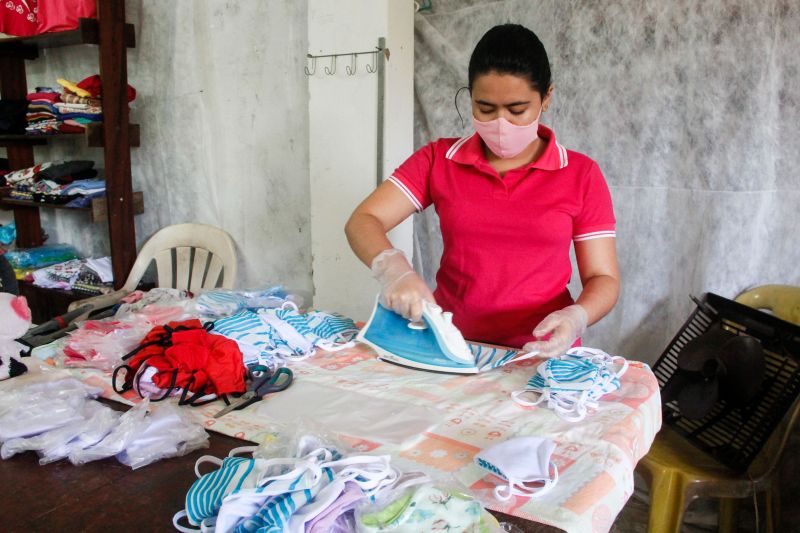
(510,201)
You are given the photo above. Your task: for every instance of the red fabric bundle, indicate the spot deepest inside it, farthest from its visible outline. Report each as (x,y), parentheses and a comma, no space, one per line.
(189,357)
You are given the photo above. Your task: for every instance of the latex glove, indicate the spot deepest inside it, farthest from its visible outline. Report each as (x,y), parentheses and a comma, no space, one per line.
(564,327)
(402,290)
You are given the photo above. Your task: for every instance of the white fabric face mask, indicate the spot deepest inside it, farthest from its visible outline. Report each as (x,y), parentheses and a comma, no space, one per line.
(524,462)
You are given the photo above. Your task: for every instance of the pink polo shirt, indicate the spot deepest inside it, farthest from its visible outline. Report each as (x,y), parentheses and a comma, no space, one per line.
(506,261)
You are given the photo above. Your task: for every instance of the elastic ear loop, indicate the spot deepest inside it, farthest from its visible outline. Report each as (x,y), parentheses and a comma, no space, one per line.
(205,459)
(300,467)
(369,480)
(455,103)
(505,492)
(182,529)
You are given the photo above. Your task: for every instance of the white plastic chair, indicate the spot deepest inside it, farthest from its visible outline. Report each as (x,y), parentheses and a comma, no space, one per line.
(187,256)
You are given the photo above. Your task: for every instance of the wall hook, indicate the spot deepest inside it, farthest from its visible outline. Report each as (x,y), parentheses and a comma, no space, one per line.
(313,66)
(372,68)
(353,66)
(332,70)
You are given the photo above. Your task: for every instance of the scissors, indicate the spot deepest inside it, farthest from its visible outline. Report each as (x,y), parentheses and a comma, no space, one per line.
(262,382)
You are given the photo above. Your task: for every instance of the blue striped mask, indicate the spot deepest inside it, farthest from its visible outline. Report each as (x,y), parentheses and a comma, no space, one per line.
(573,382)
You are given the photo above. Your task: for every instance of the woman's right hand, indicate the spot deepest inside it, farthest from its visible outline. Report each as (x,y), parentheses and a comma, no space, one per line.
(402,290)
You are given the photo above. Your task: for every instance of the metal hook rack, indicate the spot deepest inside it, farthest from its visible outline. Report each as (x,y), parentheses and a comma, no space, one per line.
(352,68)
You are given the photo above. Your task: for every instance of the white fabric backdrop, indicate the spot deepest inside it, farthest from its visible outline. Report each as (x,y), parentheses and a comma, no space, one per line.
(691,110)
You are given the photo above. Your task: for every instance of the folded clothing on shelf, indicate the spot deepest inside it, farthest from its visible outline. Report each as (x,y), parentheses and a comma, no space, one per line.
(86,275)
(58,182)
(33,258)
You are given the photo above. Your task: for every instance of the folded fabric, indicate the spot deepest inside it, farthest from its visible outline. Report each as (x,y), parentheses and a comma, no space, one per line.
(50,96)
(101,266)
(82,273)
(58,276)
(32,258)
(85,187)
(27,174)
(75,99)
(77,108)
(85,200)
(96,117)
(70,127)
(91,87)
(42,105)
(68,171)
(45,127)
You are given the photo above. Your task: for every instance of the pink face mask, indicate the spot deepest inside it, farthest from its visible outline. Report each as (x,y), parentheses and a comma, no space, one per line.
(505,139)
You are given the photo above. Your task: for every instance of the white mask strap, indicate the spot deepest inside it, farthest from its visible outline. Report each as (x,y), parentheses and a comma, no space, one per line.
(517,488)
(182,529)
(205,459)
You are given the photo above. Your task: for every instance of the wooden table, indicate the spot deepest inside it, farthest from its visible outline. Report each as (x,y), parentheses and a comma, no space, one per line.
(108,496)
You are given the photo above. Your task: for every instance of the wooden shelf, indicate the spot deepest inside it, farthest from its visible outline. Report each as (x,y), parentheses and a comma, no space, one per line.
(93,135)
(88,32)
(113,36)
(98,211)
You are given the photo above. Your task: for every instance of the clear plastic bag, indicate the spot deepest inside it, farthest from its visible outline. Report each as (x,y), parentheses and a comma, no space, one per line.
(102,343)
(42,406)
(43,256)
(92,432)
(169,432)
(419,503)
(130,424)
(51,442)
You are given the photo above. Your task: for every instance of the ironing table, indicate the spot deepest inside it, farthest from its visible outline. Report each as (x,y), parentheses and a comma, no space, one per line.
(455,416)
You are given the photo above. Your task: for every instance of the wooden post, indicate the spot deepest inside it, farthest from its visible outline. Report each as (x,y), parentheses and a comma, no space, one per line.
(119,188)
(20,155)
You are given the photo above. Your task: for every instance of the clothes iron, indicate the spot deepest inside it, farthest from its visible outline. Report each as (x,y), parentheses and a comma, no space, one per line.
(433,344)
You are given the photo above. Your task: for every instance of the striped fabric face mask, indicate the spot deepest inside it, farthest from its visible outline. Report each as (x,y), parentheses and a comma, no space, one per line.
(300,334)
(571,384)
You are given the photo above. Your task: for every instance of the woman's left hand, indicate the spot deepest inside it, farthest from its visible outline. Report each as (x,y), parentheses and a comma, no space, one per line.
(564,327)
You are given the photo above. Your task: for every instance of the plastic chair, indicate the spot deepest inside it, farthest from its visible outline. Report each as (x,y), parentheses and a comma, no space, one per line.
(678,473)
(187,256)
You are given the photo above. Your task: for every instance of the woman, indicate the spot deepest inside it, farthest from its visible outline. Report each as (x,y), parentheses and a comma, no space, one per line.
(510,200)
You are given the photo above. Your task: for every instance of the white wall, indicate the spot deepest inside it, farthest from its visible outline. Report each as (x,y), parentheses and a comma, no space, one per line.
(343,127)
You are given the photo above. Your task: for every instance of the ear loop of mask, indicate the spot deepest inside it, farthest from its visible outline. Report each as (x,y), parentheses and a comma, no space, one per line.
(370,473)
(455,102)
(518,488)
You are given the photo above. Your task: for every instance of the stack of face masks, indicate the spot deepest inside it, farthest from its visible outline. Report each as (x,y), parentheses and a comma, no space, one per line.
(571,384)
(305,493)
(285,333)
(524,463)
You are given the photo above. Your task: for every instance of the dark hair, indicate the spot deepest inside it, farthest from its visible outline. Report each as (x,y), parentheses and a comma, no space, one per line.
(511,49)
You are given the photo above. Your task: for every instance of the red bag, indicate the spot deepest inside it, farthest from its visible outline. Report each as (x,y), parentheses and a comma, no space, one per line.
(18,17)
(63,15)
